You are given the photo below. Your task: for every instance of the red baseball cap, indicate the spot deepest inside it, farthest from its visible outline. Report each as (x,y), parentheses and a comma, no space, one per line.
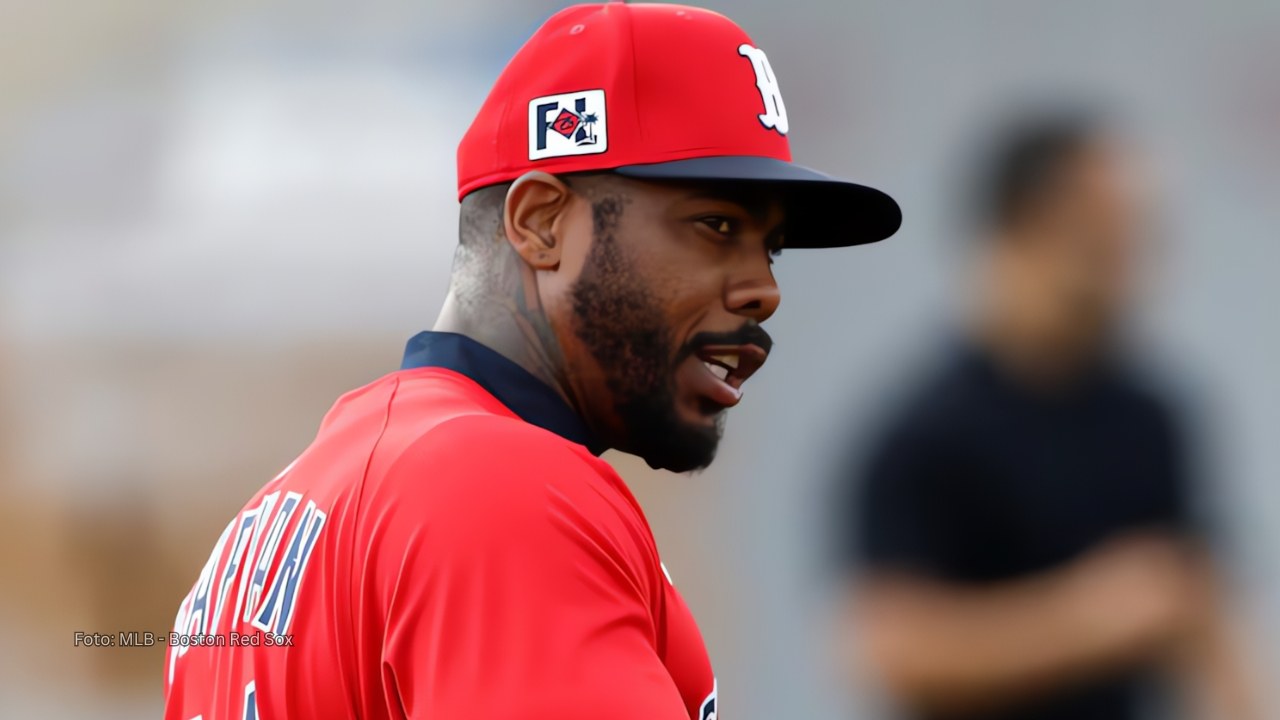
(661,92)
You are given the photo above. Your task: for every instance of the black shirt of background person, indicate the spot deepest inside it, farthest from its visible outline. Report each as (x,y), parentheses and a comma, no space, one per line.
(977,479)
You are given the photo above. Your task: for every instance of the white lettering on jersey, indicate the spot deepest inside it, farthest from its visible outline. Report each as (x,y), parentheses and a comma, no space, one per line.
(250,701)
(277,609)
(258,581)
(199,612)
(244,525)
(259,529)
(707,711)
(774,116)
(250,551)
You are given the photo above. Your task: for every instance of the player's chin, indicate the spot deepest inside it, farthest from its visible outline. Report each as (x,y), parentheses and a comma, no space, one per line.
(690,439)
(685,448)
(702,422)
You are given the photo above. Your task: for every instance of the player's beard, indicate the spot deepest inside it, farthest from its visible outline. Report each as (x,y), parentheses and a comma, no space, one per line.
(622,325)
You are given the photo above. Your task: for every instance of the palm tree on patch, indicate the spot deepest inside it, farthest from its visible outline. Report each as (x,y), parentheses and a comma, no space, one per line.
(586,134)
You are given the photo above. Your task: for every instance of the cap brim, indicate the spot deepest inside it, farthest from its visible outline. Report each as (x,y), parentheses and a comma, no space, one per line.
(823,211)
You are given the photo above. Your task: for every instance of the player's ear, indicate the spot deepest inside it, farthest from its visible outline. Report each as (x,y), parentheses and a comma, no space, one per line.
(535,202)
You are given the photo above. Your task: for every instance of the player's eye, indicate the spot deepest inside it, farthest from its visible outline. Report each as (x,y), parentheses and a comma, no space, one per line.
(719,223)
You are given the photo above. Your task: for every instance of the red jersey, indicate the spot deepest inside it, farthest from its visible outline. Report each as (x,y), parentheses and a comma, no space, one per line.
(449,546)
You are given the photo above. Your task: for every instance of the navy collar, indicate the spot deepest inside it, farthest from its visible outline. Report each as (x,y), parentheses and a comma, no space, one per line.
(525,395)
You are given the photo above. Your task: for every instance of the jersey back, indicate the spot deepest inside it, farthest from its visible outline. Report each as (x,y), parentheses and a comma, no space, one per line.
(431,554)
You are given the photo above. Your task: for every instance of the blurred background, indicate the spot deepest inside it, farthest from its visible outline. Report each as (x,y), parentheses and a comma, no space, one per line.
(215,217)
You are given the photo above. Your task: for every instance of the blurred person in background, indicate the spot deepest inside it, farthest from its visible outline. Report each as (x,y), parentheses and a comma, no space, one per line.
(1022,533)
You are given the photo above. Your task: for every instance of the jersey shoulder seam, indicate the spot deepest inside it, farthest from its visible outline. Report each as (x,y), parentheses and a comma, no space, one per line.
(358,510)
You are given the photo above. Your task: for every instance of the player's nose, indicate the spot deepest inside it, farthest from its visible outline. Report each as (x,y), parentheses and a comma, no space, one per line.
(757,298)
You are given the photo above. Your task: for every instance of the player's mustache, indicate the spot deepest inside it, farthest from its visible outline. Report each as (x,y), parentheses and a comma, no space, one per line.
(749,334)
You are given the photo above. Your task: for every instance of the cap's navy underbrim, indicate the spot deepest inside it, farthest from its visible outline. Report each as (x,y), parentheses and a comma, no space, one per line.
(823,211)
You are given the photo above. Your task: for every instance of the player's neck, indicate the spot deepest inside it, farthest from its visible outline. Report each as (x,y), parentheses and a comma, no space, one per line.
(519,333)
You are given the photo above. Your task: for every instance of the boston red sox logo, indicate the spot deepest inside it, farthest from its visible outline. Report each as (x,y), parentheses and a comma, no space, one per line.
(774,116)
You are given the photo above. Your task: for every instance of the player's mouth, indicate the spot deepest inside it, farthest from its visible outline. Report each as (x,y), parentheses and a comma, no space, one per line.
(724,370)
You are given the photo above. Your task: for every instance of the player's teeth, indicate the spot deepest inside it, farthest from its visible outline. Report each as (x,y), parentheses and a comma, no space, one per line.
(728,360)
(718,371)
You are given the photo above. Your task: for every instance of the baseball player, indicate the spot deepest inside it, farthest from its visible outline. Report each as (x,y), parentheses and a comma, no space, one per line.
(451,545)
